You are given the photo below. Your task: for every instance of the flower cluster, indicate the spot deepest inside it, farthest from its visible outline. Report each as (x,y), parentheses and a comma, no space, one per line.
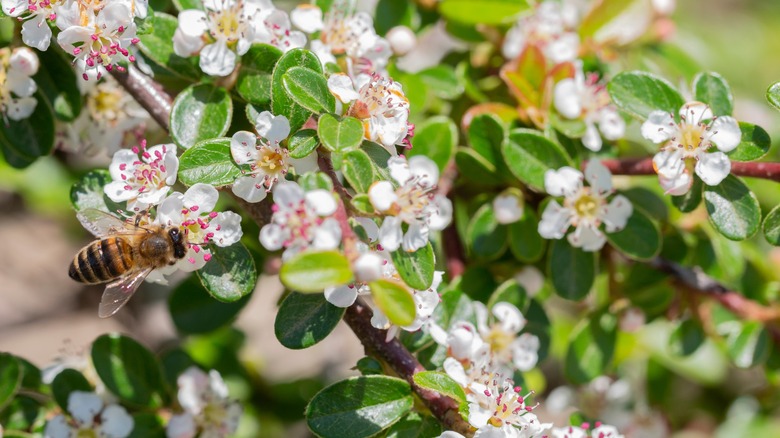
(550,27)
(90,416)
(16,85)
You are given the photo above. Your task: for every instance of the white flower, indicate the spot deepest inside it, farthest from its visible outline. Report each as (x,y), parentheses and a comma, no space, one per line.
(425,302)
(586,99)
(531,278)
(585,208)
(85,408)
(193,211)
(301,220)
(101,36)
(207,408)
(267,160)
(413,202)
(277,32)
(16,85)
(600,431)
(508,207)
(546,28)
(379,103)
(36,15)
(401,39)
(686,144)
(142,177)
(503,336)
(346,35)
(499,404)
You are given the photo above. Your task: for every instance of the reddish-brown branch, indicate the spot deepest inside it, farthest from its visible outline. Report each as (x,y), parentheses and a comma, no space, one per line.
(644,166)
(149,94)
(348,237)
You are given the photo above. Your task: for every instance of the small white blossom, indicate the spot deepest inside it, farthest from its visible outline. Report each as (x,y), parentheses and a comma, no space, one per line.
(301,220)
(379,103)
(402,40)
(268,161)
(686,146)
(584,98)
(90,417)
(508,207)
(547,28)
(36,16)
(207,407)
(16,84)
(413,202)
(600,431)
(584,207)
(499,404)
(502,334)
(142,177)
(531,278)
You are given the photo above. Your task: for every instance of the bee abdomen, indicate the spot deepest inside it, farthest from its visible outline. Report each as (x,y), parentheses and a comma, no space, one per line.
(101,261)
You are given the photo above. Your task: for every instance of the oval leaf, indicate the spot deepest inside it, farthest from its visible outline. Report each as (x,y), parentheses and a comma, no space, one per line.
(443,384)
(127,368)
(303,143)
(690,201)
(639,93)
(305,319)
(771,226)
(482,12)
(754,144)
(395,301)
(529,154)
(256,73)
(313,271)
(590,349)
(359,170)
(712,89)
(88,193)
(24,141)
(733,208)
(200,112)
(57,81)
(209,162)
(281,101)
(435,138)
(572,270)
(10,378)
(639,240)
(230,274)
(65,382)
(195,311)
(488,238)
(476,168)
(687,338)
(309,89)
(415,268)
(749,346)
(773,95)
(340,135)
(157,46)
(524,240)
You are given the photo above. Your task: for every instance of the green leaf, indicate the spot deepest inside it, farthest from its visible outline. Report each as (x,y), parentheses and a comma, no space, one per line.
(309,89)
(158,47)
(572,270)
(281,101)
(230,274)
(640,239)
(256,73)
(209,162)
(771,226)
(571,128)
(359,407)
(359,170)
(687,338)
(363,204)
(435,138)
(10,378)
(23,141)
(442,81)
(67,381)
(315,180)
(200,112)
(57,81)
(88,193)
(773,95)
(305,319)
(511,292)
(443,384)
(147,425)
(754,144)
(488,12)
(590,349)
(476,168)
(749,346)
(649,202)
(486,134)
(529,154)
(182,5)
(303,143)
(639,93)
(415,426)
(733,208)
(340,134)
(712,89)
(313,271)
(415,268)
(127,368)
(194,311)
(524,240)
(395,301)
(368,365)
(488,238)
(688,202)
(378,154)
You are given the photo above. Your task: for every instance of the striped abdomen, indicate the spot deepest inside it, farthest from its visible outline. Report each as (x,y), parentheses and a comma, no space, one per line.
(102,261)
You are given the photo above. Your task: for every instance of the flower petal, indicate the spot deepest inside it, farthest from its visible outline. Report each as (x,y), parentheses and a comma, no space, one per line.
(249,189)
(287,194)
(117,423)
(511,318)
(382,195)
(725,133)
(57,427)
(669,163)
(507,208)
(321,201)
(390,233)
(217,59)
(567,99)
(713,167)
(307,18)
(659,127)
(555,221)
(243,148)
(592,138)
(587,237)
(227,228)
(84,406)
(272,128)
(695,113)
(425,169)
(327,235)
(273,236)
(416,236)
(563,182)
(181,426)
(399,169)
(201,197)
(340,85)
(599,177)
(616,214)
(341,296)
(677,185)
(440,212)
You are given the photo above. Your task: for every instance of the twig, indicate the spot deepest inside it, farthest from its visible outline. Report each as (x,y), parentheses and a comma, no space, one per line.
(148,93)
(348,237)
(644,166)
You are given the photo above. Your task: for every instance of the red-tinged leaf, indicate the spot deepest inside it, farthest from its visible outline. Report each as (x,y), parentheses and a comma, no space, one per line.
(503,111)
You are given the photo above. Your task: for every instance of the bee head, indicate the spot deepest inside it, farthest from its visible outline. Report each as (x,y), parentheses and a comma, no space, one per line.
(177,237)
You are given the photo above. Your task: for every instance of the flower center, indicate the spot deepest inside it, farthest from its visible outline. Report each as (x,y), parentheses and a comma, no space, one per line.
(499,339)
(691,137)
(272,161)
(105,103)
(228,24)
(413,200)
(86,433)
(587,205)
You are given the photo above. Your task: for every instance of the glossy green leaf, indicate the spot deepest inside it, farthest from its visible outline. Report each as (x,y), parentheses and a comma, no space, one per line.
(688,202)
(476,168)
(771,226)
(313,271)
(157,46)
(487,12)
(303,143)
(359,170)
(24,141)
(10,378)
(529,154)
(639,93)
(415,425)
(415,268)
(147,425)
(281,101)
(230,274)
(511,292)
(590,348)
(305,319)
(435,138)
(754,144)
(309,89)
(443,384)
(340,134)
(88,193)
(256,73)
(182,5)
(733,208)
(127,368)
(712,89)
(209,162)
(200,112)
(67,381)
(773,95)
(193,310)
(391,13)
(395,301)
(442,81)
(687,338)
(524,240)
(359,407)
(486,134)
(571,270)
(315,180)
(640,239)
(648,201)
(487,237)
(58,82)
(749,346)
(368,365)
(378,154)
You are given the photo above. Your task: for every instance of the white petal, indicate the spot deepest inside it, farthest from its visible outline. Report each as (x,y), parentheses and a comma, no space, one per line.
(202,197)
(382,195)
(193,23)
(169,210)
(14,8)
(611,125)
(479,416)
(399,169)
(227,228)
(401,39)
(725,133)
(341,296)
(193,384)
(416,237)
(567,99)
(713,167)
(273,236)
(217,59)
(57,427)
(563,182)
(555,221)
(425,169)
(368,267)
(24,60)
(370,227)
(659,127)
(440,210)
(588,238)
(305,164)
(117,423)
(327,235)
(598,176)
(287,194)
(454,369)
(186,46)
(181,426)
(250,189)
(217,385)
(507,209)
(514,42)
(22,108)
(511,318)
(592,138)
(340,85)
(564,48)
(669,163)
(695,113)
(272,128)
(531,279)
(390,234)
(307,18)
(243,148)
(615,215)
(84,406)
(321,201)
(36,33)
(676,185)
(463,341)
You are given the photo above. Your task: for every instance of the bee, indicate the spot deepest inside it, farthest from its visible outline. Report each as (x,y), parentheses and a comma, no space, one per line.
(123,255)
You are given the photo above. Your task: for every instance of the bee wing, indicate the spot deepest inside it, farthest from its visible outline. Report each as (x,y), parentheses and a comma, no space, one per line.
(117,293)
(100,223)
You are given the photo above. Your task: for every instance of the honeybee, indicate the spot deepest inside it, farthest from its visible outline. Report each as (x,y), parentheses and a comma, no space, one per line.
(123,255)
